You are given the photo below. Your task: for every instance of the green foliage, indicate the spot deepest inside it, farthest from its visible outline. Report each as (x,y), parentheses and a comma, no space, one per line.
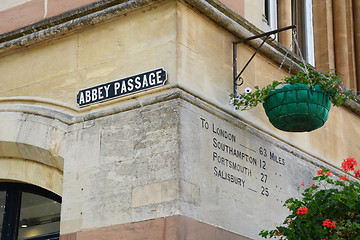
(326,201)
(330,84)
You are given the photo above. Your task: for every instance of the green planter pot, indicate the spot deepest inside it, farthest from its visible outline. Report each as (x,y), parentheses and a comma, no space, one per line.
(297,108)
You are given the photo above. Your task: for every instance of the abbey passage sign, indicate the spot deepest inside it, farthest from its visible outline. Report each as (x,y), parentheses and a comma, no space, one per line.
(122,87)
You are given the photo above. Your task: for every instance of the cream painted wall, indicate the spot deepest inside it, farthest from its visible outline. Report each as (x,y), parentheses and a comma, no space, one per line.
(205,67)
(253,11)
(131,44)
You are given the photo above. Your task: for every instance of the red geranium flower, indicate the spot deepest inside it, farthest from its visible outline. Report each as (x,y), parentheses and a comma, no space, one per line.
(343,177)
(329,224)
(302,211)
(322,172)
(348,164)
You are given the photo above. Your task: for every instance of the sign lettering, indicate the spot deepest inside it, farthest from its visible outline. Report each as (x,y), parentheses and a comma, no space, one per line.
(122,87)
(234,161)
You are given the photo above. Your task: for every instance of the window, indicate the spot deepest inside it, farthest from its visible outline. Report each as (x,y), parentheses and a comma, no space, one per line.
(270,16)
(302,18)
(28,212)
(270,13)
(2,208)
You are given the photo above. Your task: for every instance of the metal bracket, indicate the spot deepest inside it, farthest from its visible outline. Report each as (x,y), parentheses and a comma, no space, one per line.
(267,36)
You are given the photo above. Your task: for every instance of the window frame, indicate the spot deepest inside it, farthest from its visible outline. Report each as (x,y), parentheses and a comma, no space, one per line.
(270,14)
(302,17)
(11,216)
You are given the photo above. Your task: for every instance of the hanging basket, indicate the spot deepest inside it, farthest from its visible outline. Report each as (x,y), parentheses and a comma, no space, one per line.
(297,108)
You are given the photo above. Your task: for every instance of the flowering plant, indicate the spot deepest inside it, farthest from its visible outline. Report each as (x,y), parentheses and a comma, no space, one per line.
(329,209)
(329,83)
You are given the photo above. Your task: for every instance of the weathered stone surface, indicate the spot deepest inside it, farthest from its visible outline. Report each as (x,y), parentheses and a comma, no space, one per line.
(174,158)
(244,176)
(29,150)
(155,193)
(125,168)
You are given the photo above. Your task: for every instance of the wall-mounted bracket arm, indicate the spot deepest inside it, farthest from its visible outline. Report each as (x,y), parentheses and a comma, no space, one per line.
(267,36)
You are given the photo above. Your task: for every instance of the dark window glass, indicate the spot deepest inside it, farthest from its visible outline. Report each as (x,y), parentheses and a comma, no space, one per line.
(38,216)
(267,11)
(298,19)
(2,208)
(28,212)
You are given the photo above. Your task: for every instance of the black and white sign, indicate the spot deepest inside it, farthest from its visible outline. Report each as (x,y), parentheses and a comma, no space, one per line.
(122,87)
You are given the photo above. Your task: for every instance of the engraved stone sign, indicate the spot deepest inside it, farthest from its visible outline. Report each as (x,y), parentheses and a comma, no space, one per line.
(244,176)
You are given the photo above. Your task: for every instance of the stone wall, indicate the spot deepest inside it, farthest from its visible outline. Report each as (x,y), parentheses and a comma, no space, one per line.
(178,156)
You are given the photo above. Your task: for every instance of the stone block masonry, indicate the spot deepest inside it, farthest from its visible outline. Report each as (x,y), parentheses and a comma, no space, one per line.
(177,158)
